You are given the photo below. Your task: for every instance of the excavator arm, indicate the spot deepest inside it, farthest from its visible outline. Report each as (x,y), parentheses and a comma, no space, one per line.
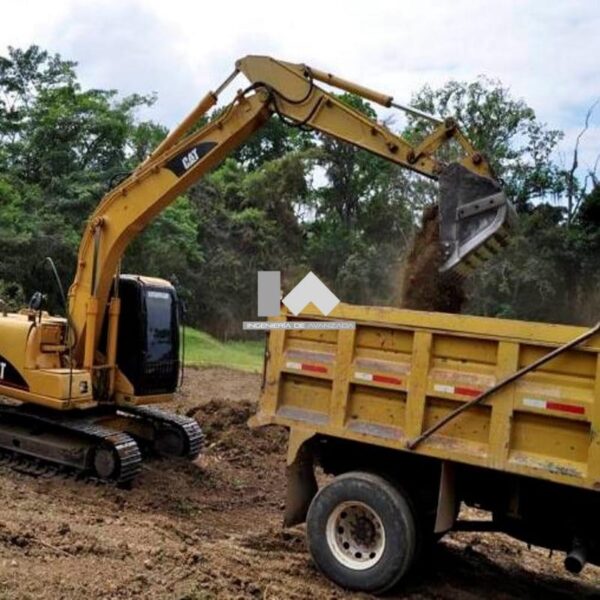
(474,212)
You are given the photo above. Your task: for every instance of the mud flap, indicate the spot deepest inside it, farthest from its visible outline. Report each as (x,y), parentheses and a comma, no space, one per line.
(301,487)
(447,508)
(475,218)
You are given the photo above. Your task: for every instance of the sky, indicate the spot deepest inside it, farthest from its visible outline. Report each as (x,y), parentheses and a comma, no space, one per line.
(546,51)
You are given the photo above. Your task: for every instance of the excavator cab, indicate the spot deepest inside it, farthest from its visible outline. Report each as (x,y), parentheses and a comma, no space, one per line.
(475,218)
(148,351)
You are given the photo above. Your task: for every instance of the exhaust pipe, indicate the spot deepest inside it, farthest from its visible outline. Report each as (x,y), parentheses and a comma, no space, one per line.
(577,557)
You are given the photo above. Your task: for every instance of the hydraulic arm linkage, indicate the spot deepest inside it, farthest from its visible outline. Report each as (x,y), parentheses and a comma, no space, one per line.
(288,90)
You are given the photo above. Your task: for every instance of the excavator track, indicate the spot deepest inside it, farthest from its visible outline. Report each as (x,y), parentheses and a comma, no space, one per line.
(69,441)
(43,469)
(46,469)
(98,445)
(184,432)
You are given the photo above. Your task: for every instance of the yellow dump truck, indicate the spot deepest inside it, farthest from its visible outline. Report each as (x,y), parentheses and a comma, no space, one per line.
(413,413)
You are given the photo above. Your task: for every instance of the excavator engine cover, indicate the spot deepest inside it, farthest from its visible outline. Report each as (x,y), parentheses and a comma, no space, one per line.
(475,218)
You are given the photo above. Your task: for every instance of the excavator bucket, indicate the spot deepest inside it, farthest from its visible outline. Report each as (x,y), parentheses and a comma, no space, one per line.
(475,218)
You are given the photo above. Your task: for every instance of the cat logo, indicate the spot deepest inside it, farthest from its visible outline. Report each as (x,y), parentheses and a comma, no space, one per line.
(181,163)
(190,159)
(2,369)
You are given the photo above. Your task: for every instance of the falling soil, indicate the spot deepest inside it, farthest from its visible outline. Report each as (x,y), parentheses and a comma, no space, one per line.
(213,529)
(423,286)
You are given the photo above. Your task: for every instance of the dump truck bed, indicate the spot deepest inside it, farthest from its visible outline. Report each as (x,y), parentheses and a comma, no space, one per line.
(399,372)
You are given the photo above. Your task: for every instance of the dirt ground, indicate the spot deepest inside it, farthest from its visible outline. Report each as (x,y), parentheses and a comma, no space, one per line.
(212,529)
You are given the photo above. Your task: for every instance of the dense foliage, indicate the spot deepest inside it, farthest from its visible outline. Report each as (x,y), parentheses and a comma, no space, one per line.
(289,200)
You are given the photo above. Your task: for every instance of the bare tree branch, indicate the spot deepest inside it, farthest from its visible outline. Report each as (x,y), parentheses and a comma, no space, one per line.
(593,172)
(571,179)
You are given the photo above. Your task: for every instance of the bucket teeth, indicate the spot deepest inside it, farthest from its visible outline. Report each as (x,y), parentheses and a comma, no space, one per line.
(475,218)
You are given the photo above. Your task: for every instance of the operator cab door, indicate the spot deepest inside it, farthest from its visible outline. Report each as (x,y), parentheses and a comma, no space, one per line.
(148,341)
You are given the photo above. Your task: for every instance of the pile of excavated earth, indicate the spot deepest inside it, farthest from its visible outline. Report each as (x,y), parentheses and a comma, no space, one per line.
(213,529)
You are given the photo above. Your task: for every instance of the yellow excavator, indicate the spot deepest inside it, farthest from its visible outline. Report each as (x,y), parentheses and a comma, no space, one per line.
(81,387)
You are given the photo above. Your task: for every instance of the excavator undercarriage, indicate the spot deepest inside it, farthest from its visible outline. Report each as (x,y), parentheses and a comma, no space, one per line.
(102,443)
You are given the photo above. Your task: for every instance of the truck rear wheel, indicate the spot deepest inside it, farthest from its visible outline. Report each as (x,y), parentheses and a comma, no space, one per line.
(361,532)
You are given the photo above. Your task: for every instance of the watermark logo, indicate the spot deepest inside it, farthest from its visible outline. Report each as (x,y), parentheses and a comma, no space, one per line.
(310,290)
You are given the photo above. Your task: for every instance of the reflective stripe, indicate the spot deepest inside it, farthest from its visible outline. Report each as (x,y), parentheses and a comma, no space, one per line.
(459,390)
(363,376)
(389,379)
(306,367)
(570,408)
(534,402)
(445,389)
(465,391)
(314,368)
(551,405)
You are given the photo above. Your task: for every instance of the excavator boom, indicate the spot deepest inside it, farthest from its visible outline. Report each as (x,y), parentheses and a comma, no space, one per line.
(475,214)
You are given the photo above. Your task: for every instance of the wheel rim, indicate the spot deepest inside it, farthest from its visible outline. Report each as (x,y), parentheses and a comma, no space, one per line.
(355,535)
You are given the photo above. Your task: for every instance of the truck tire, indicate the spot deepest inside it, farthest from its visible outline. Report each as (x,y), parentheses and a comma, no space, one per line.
(361,532)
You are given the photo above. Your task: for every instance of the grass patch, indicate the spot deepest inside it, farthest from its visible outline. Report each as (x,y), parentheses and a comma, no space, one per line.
(203,349)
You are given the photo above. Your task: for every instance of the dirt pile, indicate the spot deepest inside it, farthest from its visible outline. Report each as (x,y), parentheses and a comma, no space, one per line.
(225,427)
(423,287)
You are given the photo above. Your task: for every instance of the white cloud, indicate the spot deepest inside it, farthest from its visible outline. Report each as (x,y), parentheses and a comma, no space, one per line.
(546,52)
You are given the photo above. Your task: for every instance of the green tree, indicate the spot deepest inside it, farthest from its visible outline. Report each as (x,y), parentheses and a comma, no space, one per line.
(544,274)
(289,199)
(60,146)
(246,222)
(361,219)
(272,141)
